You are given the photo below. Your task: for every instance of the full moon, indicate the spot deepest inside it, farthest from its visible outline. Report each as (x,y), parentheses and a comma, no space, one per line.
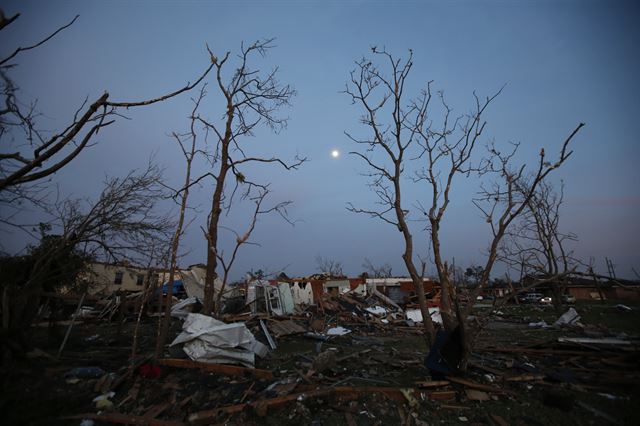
(335,153)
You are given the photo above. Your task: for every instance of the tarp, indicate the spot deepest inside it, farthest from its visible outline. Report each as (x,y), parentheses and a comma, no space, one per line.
(181,309)
(193,285)
(178,286)
(206,339)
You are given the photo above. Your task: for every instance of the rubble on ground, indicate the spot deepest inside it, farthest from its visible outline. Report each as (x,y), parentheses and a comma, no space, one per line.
(349,359)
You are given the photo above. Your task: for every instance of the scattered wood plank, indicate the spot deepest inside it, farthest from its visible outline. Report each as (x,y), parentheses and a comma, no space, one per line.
(353,355)
(543,351)
(486,368)
(442,395)
(497,420)
(477,395)
(228,370)
(156,410)
(525,378)
(339,392)
(285,328)
(261,406)
(479,386)
(432,383)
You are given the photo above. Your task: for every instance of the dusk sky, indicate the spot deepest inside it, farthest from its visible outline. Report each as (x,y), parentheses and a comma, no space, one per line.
(561,62)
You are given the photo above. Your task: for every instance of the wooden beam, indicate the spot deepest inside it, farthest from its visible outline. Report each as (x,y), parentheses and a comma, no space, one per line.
(339,392)
(227,370)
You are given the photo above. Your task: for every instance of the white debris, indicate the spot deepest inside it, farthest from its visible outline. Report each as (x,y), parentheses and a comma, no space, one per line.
(181,309)
(102,397)
(594,341)
(569,317)
(541,324)
(209,340)
(415,315)
(338,331)
(377,310)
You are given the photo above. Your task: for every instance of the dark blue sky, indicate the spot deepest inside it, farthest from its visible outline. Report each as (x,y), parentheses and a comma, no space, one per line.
(563,62)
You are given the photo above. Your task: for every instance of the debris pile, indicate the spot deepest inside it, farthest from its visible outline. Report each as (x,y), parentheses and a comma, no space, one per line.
(209,340)
(350,358)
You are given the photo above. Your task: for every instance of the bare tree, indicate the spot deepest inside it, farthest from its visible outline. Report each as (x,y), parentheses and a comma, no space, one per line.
(251,98)
(30,154)
(382,271)
(188,144)
(501,203)
(226,262)
(122,224)
(445,151)
(330,267)
(536,244)
(392,140)
(510,194)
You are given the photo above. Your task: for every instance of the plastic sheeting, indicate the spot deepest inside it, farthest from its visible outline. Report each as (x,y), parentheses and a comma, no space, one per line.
(206,339)
(181,309)
(416,315)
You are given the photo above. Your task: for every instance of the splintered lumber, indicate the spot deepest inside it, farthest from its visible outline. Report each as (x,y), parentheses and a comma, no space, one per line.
(474,385)
(353,355)
(543,351)
(432,384)
(124,419)
(261,406)
(477,395)
(156,410)
(594,341)
(272,342)
(339,392)
(499,421)
(285,328)
(442,395)
(228,370)
(525,378)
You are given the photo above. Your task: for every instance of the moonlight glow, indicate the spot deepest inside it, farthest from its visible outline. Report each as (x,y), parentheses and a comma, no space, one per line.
(335,153)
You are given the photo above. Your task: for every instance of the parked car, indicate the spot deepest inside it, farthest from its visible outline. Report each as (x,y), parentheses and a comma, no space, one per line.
(546,300)
(568,299)
(530,297)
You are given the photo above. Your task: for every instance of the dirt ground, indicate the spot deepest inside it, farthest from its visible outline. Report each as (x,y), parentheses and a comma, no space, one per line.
(519,375)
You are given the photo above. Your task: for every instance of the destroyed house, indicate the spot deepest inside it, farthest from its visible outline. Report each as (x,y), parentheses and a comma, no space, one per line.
(310,290)
(584,287)
(401,289)
(109,277)
(587,289)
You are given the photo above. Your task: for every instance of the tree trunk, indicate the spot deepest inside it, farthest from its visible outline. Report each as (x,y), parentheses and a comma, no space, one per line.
(173,263)
(216,211)
(448,317)
(407,256)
